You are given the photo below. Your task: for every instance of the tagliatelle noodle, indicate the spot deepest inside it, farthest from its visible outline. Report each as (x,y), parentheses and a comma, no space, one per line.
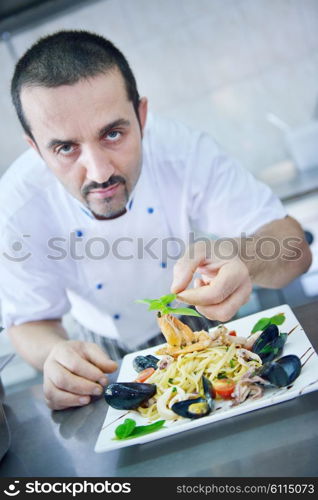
(186,373)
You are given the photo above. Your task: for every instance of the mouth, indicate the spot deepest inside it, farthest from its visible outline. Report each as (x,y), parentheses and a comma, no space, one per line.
(105,193)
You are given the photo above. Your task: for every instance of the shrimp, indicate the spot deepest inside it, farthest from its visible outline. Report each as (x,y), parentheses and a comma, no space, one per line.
(180,338)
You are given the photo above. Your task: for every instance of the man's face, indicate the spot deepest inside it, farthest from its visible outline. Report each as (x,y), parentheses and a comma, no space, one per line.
(89,136)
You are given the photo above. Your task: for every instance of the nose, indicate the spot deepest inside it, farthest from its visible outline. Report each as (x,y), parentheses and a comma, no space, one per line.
(98,165)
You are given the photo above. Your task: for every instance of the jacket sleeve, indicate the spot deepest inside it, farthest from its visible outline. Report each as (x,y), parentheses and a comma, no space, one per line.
(31,286)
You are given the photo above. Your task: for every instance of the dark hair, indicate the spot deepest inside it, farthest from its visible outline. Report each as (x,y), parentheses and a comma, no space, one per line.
(64,58)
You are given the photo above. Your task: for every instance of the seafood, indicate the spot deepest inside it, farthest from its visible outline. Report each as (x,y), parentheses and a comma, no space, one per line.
(281,372)
(244,355)
(267,336)
(180,338)
(248,387)
(220,336)
(269,344)
(192,408)
(128,395)
(196,406)
(140,363)
(176,333)
(208,390)
(167,399)
(165,362)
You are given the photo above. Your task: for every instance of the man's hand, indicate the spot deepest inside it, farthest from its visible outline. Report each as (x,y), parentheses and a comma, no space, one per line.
(224,285)
(73,372)
(272,257)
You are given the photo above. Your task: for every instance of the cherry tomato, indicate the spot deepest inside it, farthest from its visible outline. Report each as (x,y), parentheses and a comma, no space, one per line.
(224,388)
(233,333)
(142,376)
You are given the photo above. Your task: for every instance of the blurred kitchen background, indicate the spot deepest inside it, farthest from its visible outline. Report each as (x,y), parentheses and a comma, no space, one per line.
(245,71)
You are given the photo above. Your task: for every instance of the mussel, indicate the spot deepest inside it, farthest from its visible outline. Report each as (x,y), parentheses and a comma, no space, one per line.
(281,372)
(196,407)
(269,344)
(140,363)
(192,408)
(208,391)
(128,395)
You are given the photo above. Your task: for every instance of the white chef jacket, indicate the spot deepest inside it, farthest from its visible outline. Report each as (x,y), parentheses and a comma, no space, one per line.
(56,257)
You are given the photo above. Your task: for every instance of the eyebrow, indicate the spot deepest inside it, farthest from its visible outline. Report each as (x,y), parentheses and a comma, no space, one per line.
(121,122)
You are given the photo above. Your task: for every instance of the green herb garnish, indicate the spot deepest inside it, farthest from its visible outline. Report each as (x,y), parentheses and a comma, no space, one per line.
(163,305)
(263,323)
(170,380)
(174,389)
(129,429)
(124,430)
(232,363)
(221,375)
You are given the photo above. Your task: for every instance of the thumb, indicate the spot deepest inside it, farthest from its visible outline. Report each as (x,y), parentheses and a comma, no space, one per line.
(95,355)
(185,267)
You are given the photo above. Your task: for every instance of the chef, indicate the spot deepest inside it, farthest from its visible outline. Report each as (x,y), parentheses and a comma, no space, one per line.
(111,204)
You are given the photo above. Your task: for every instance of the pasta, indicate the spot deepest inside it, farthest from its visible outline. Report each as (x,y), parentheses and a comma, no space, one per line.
(183,376)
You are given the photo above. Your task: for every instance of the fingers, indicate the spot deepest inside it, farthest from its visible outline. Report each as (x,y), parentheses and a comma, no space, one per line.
(187,265)
(86,360)
(229,277)
(227,309)
(73,372)
(99,358)
(57,399)
(69,382)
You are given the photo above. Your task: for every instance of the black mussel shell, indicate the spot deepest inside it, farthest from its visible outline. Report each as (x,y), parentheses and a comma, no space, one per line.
(268,336)
(192,408)
(140,363)
(207,390)
(128,395)
(281,372)
(273,349)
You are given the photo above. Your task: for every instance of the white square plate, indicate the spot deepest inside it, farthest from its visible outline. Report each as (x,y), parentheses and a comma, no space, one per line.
(297,343)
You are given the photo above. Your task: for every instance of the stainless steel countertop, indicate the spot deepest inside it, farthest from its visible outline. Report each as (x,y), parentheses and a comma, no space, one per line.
(280,440)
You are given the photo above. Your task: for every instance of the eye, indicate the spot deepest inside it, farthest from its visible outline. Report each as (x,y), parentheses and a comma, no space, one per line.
(66,149)
(113,135)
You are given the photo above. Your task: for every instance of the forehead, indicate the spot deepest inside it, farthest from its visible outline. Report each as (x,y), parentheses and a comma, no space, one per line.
(70,109)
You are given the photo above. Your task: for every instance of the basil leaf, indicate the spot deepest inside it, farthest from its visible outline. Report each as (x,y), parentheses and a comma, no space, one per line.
(161,305)
(166,309)
(141,430)
(261,324)
(166,299)
(278,319)
(124,430)
(155,305)
(129,429)
(186,311)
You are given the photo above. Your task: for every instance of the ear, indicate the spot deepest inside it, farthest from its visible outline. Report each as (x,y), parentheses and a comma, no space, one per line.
(31,142)
(142,110)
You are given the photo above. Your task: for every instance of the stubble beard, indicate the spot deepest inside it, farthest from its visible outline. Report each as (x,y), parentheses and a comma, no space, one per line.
(110,207)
